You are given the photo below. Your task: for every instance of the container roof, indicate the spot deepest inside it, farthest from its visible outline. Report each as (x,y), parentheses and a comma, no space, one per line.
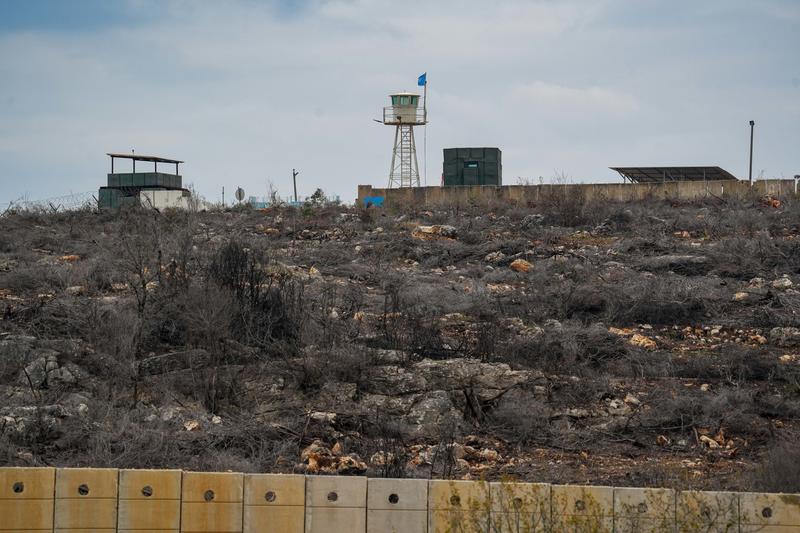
(661,174)
(139,157)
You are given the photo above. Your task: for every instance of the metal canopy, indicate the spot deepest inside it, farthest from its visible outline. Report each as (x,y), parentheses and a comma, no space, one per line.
(137,157)
(148,158)
(662,174)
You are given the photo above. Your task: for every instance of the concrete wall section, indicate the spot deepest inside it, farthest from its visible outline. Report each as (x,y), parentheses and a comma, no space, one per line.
(336,504)
(520,507)
(86,500)
(769,513)
(582,508)
(26,499)
(158,199)
(644,510)
(149,500)
(713,512)
(463,506)
(274,503)
(212,502)
(395,505)
(530,195)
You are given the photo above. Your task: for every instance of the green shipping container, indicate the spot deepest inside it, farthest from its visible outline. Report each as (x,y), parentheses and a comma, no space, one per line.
(472,166)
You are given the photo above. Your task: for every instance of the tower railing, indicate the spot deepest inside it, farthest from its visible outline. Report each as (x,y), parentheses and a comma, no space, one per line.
(390,116)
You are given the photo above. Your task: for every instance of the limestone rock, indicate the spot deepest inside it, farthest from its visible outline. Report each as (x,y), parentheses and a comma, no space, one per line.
(6,265)
(785,337)
(630,399)
(431,233)
(494,257)
(642,342)
(432,411)
(75,290)
(394,380)
(531,221)
(782,284)
(521,265)
(487,380)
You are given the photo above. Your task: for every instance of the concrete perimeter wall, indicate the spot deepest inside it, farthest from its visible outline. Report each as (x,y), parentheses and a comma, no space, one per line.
(533,194)
(111,500)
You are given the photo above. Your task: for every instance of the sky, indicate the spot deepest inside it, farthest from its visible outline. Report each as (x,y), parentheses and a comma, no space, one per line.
(246,90)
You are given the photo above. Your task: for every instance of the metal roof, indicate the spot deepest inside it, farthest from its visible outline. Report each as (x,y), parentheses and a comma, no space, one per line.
(139,157)
(404,94)
(661,174)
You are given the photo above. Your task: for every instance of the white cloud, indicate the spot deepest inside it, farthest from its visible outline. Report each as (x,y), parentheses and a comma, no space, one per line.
(554,98)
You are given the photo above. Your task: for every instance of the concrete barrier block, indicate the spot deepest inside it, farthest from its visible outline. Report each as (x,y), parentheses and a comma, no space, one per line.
(212,502)
(644,510)
(397,505)
(463,506)
(27,499)
(274,503)
(582,508)
(335,519)
(336,491)
(86,499)
(336,504)
(769,512)
(520,507)
(149,500)
(713,512)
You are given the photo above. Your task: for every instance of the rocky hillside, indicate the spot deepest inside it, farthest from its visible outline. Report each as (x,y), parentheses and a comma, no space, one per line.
(652,343)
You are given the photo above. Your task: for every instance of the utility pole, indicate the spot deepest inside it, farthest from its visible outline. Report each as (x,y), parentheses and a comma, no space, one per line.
(752,126)
(223,197)
(294,180)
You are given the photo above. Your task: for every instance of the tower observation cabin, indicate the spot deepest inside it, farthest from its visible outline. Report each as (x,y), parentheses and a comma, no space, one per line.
(404,110)
(404,114)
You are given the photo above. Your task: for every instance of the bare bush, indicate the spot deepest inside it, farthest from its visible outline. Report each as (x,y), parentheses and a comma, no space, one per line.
(780,470)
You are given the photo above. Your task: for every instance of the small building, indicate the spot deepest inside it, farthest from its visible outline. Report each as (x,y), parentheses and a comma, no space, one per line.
(158,190)
(472,166)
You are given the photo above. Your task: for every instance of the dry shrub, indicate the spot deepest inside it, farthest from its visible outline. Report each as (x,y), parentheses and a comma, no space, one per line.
(780,470)
(569,345)
(664,299)
(564,205)
(271,307)
(532,428)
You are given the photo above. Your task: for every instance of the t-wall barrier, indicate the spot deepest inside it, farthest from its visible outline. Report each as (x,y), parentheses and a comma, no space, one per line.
(530,195)
(105,500)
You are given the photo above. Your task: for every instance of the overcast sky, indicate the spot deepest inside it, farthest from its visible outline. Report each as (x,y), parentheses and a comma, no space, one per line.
(244,90)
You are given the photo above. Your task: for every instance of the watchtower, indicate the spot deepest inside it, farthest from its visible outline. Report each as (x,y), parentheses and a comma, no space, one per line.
(156,188)
(404,114)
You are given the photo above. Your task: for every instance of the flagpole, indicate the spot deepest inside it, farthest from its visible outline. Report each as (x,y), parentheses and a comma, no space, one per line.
(425,128)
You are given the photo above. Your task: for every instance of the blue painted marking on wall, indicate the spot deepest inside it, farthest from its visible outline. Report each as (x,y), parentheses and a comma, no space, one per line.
(374,201)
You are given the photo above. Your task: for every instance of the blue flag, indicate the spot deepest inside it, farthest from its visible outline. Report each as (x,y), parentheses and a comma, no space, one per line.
(422,80)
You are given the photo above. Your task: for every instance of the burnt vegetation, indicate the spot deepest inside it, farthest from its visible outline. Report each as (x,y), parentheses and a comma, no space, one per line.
(639,343)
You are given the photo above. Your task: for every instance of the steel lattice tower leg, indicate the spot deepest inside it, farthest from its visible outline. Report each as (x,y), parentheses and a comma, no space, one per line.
(404,171)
